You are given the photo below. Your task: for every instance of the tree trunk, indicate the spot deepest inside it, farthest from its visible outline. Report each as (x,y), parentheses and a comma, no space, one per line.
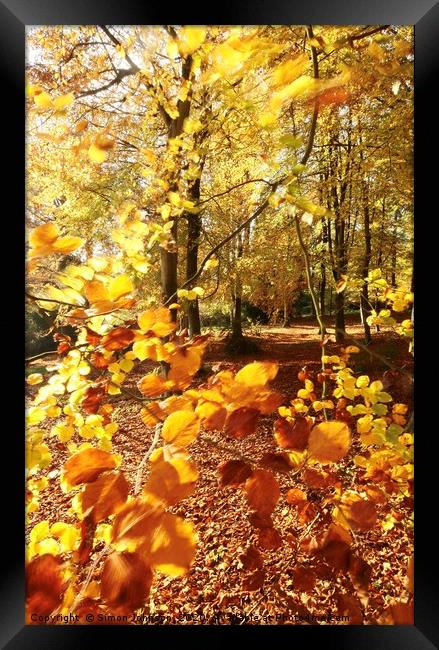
(322,289)
(168,271)
(193,238)
(237,317)
(286,315)
(364,296)
(340,330)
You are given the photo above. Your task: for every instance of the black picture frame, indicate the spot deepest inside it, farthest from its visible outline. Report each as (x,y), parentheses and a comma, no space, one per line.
(14,16)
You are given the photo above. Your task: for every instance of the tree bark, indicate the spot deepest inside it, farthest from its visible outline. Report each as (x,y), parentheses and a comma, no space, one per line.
(193,239)
(364,296)
(340,325)
(237,316)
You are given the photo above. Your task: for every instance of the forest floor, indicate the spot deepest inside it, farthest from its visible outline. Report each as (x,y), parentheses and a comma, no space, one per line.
(213,586)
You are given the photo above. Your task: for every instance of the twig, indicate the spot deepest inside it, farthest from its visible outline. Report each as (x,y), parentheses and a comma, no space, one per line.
(138,482)
(98,558)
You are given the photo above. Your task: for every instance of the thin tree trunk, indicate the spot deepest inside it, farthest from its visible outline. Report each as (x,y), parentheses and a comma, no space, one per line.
(193,237)
(237,316)
(340,326)
(364,296)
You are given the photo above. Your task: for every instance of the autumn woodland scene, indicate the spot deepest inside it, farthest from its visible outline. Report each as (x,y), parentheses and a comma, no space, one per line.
(219,325)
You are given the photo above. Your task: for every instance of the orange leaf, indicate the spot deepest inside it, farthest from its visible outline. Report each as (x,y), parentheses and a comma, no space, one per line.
(181,428)
(94,396)
(86,465)
(329,442)
(105,496)
(212,415)
(118,338)
(296,496)
(125,582)
(44,585)
(257,373)
(360,513)
(136,520)
(170,545)
(319,479)
(242,422)
(172,481)
(152,385)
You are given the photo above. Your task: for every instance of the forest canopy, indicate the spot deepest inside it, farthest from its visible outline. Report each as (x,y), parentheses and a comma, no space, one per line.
(190,184)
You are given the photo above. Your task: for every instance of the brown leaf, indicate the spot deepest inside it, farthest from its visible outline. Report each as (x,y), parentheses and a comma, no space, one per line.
(335,547)
(44,585)
(251,559)
(269,539)
(254,581)
(260,521)
(276,462)
(86,465)
(125,582)
(118,338)
(241,423)
(304,578)
(306,511)
(262,491)
(293,435)
(234,472)
(105,496)
(348,605)
(319,479)
(360,573)
(88,528)
(94,396)
(399,614)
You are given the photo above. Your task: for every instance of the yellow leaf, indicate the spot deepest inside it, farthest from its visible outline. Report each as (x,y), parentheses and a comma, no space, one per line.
(34,378)
(43,100)
(212,263)
(192,126)
(190,38)
(286,72)
(181,428)
(172,49)
(96,154)
(39,531)
(120,286)
(60,103)
(267,119)
(257,373)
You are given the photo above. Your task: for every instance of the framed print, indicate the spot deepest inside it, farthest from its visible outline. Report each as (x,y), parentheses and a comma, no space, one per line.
(219,322)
